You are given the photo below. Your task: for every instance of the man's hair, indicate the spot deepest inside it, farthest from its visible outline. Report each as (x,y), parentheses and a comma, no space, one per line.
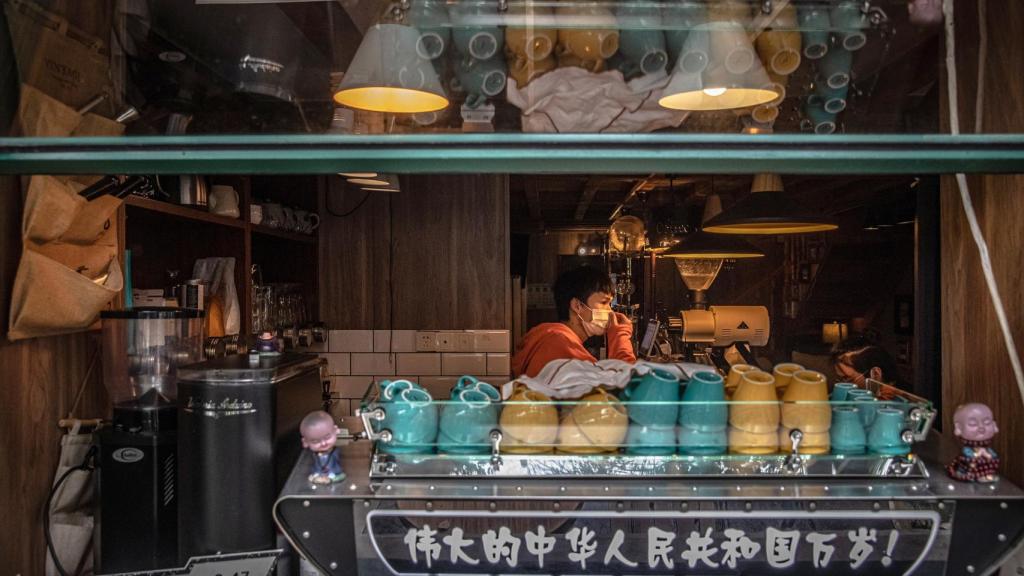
(579,283)
(863,354)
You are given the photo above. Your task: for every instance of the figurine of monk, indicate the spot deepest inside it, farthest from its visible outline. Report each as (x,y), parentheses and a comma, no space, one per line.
(974,425)
(319,433)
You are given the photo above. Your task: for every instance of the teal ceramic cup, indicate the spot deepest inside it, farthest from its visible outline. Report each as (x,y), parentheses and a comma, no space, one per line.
(841,390)
(651,440)
(474,29)
(816,118)
(868,407)
(847,434)
(679,19)
(834,68)
(849,23)
(430,17)
(390,389)
(641,40)
(833,100)
(411,416)
(480,79)
(700,443)
(466,424)
(815,23)
(703,406)
(652,399)
(886,434)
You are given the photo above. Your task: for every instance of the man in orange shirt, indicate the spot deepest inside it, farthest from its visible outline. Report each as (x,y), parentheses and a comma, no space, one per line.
(583,300)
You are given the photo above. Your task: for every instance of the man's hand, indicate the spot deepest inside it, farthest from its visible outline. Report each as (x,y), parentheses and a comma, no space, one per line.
(617,319)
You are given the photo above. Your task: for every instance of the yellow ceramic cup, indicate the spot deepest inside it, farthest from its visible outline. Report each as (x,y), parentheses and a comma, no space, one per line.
(755,406)
(599,40)
(529,423)
(744,442)
(805,404)
(783,373)
(736,371)
(812,442)
(524,71)
(530,43)
(780,46)
(599,422)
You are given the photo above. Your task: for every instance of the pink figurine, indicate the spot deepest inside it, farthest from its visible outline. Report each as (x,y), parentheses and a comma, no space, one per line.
(319,433)
(925,13)
(977,462)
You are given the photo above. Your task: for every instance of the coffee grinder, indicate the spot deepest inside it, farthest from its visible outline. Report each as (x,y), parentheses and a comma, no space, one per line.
(137,495)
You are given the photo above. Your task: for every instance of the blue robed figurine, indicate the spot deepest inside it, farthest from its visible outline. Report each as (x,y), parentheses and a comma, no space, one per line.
(319,433)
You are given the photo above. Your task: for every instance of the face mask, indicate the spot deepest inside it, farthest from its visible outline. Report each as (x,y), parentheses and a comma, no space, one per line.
(599,322)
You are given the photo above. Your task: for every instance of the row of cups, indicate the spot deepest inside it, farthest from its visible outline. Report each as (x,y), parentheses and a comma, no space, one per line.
(276,215)
(417,424)
(656,416)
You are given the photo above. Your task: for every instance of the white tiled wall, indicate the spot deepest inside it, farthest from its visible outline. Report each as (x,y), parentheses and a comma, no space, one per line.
(435,359)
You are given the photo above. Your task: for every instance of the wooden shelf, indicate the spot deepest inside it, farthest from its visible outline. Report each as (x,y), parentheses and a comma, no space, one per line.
(284,234)
(183,212)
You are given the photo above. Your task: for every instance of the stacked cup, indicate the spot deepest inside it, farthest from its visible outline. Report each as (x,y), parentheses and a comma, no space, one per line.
(754,415)
(468,418)
(529,423)
(783,374)
(410,414)
(597,423)
(704,416)
(652,401)
(806,408)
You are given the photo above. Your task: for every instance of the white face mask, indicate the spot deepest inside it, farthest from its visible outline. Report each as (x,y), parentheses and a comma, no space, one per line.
(599,322)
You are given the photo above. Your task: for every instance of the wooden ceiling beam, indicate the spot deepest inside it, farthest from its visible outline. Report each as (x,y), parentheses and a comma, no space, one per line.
(586,197)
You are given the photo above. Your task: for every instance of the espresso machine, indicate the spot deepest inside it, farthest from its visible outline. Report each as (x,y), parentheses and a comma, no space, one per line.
(137,492)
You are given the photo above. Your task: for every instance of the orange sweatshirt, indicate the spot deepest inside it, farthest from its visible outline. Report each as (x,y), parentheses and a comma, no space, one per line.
(556,341)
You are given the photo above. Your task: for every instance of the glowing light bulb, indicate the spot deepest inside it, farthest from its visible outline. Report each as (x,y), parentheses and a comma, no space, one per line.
(715,91)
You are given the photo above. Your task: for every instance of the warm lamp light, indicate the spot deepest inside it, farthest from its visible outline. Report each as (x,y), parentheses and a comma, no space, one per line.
(834,332)
(388,75)
(358,174)
(767,211)
(381,181)
(718,70)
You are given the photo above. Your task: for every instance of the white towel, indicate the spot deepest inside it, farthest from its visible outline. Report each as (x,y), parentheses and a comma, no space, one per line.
(570,379)
(574,100)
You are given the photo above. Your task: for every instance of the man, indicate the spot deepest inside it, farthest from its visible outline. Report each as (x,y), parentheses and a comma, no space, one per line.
(857,359)
(583,300)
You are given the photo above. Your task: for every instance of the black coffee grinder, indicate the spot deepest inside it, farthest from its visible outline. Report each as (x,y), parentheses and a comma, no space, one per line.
(137,493)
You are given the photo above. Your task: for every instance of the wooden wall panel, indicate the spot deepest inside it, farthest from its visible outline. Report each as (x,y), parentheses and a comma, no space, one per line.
(975,366)
(433,256)
(38,382)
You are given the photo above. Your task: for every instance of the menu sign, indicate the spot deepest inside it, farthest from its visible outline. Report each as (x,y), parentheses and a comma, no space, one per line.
(700,542)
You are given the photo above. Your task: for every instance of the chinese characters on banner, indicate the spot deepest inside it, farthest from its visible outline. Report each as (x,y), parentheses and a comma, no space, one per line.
(502,550)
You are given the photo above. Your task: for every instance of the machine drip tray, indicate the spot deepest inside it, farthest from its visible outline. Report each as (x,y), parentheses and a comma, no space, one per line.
(620,466)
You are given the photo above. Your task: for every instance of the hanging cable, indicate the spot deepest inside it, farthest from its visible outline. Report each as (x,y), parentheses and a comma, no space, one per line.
(961,179)
(327,205)
(88,463)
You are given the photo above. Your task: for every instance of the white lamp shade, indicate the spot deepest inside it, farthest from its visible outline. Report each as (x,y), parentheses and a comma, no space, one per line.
(732,75)
(388,75)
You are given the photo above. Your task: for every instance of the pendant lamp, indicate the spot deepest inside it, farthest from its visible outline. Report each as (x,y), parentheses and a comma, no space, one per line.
(699,256)
(388,74)
(378,181)
(767,211)
(718,69)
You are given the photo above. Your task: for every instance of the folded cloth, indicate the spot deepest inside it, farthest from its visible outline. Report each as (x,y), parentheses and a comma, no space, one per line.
(571,379)
(575,100)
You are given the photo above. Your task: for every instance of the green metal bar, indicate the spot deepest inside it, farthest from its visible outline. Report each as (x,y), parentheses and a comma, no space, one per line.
(519,153)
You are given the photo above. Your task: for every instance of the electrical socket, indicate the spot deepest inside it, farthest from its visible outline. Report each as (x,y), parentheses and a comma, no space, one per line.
(426,342)
(445,341)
